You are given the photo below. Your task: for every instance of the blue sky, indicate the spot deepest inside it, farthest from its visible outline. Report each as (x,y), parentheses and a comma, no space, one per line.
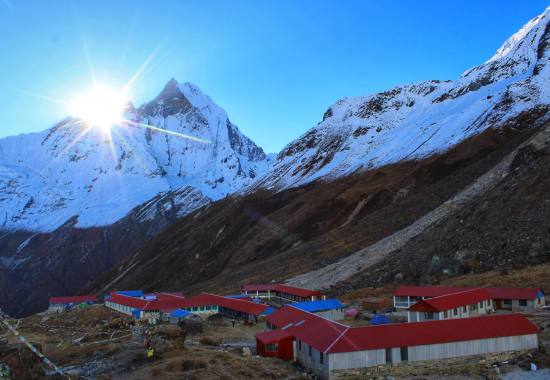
(274,66)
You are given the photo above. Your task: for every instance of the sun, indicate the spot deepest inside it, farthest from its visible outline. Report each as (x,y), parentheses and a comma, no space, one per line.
(100,107)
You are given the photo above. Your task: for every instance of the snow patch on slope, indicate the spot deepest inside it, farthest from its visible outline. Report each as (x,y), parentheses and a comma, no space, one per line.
(414,121)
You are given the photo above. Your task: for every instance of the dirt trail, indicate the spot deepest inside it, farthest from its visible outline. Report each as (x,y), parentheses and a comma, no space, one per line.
(366,257)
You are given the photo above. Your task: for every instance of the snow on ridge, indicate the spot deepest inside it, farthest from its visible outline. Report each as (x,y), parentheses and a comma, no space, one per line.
(512,43)
(200,100)
(53,176)
(417,120)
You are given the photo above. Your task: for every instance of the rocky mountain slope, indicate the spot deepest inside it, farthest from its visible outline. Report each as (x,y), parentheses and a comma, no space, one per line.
(35,265)
(415,121)
(375,166)
(268,236)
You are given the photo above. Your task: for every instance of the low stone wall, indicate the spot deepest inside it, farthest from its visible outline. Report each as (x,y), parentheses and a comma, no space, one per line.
(471,365)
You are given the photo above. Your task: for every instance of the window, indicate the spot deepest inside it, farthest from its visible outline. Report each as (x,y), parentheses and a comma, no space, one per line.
(404,354)
(300,345)
(455,311)
(273,347)
(429,315)
(321,357)
(446,314)
(309,350)
(522,302)
(508,302)
(401,301)
(464,309)
(474,306)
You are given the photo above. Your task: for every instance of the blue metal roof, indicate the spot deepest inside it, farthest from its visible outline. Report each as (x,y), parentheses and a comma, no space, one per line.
(179,313)
(268,311)
(380,319)
(130,293)
(315,306)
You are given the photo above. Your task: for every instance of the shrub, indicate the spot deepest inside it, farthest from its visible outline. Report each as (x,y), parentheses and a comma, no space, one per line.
(207,341)
(191,364)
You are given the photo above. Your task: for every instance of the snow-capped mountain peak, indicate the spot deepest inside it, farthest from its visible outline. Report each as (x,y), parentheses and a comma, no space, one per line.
(71,172)
(526,38)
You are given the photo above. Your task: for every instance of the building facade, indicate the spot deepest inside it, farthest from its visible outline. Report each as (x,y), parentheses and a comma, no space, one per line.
(466,304)
(59,304)
(510,299)
(283,292)
(329,349)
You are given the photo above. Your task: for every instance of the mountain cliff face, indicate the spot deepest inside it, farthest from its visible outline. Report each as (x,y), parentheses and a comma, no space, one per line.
(70,172)
(418,120)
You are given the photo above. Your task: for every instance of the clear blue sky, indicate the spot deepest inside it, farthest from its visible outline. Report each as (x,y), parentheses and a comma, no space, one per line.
(274,66)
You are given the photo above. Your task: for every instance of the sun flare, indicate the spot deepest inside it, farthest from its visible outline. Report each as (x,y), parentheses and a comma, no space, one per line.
(100,107)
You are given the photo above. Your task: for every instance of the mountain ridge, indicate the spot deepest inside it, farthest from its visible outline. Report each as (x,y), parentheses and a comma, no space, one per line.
(222,207)
(358,133)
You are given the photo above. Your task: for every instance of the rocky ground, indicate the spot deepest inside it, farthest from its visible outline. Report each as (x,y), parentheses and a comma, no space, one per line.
(96,343)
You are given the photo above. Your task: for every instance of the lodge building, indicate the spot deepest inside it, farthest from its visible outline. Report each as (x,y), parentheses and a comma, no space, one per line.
(510,299)
(283,292)
(331,349)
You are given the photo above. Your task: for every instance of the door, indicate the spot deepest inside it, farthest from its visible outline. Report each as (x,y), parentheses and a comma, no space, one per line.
(404,354)
(388,355)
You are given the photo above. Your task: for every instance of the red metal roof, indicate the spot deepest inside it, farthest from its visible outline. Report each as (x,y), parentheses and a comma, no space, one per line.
(169,296)
(272,336)
(283,289)
(451,301)
(428,291)
(260,288)
(206,299)
(432,332)
(72,299)
(495,292)
(312,329)
(515,293)
(137,303)
(165,304)
(297,291)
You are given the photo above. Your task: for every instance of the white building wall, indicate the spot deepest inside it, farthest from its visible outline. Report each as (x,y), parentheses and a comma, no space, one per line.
(467,311)
(118,307)
(369,358)
(515,306)
(473,347)
(333,315)
(357,359)
(313,362)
